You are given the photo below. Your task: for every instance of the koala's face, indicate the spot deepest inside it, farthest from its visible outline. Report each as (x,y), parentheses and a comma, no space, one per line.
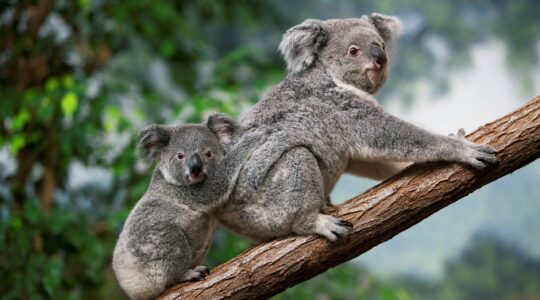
(356,54)
(191,154)
(353,51)
(187,154)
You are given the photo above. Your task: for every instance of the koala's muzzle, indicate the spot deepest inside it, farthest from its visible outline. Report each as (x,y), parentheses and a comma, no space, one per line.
(195,165)
(378,54)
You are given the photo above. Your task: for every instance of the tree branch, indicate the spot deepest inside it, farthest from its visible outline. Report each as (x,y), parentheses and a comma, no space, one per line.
(379,214)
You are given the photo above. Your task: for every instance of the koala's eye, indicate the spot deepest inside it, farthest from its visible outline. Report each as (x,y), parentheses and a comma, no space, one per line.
(353,50)
(382,46)
(180,155)
(208,154)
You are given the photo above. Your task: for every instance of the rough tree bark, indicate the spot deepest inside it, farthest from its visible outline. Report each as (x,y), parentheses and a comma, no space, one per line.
(379,214)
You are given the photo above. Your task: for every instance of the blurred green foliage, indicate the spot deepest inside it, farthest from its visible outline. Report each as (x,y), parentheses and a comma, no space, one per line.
(79,78)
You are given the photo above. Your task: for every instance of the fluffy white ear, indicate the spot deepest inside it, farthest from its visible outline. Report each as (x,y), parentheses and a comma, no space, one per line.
(389,27)
(223,127)
(152,140)
(301,44)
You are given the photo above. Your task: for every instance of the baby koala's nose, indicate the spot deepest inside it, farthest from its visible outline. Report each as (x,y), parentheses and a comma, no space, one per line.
(379,55)
(195,165)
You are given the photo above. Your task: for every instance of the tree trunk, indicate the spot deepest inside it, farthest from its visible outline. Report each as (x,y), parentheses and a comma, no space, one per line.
(379,214)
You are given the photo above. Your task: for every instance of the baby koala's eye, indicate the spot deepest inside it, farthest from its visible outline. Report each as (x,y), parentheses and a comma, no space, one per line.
(208,154)
(180,155)
(353,50)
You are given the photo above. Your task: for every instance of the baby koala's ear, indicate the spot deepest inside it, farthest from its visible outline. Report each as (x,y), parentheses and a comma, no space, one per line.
(152,140)
(389,27)
(223,127)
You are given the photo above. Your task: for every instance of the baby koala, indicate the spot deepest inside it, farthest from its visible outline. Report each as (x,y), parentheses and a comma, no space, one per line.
(168,232)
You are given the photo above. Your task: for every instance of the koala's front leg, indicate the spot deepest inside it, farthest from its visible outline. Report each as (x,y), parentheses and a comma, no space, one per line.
(377,170)
(378,135)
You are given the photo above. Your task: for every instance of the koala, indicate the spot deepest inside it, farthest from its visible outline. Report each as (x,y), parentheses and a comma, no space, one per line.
(326,102)
(168,232)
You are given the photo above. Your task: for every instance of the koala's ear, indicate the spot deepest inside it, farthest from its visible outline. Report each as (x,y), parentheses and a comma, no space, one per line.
(223,127)
(301,44)
(389,27)
(152,140)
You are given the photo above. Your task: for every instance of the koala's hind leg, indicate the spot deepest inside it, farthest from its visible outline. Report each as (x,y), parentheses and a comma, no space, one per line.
(302,191)
(197,273)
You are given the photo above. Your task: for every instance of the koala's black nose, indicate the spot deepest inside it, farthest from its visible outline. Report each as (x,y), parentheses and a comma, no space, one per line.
(195,165)
(379,55)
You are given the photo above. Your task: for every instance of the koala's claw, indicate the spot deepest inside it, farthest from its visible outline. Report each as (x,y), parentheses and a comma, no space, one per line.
(331,228)
(459,136)
(479,156)
(197,273)
(476,155)
(345,223)
(202,269)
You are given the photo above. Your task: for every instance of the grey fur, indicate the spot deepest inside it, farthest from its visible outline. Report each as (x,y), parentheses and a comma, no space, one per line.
(168,232)
(326,107)
(301,44)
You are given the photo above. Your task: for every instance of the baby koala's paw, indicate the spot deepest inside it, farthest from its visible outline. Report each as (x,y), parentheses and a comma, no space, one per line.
(197,273)
(476,155)
(332,228)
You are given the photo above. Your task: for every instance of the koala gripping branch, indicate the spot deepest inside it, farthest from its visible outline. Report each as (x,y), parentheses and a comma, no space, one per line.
(379,214)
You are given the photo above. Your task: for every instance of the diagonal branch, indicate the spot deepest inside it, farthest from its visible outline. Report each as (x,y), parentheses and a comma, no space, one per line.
(379,214)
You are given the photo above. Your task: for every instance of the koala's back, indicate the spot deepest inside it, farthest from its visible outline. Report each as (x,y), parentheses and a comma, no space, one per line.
(300,108)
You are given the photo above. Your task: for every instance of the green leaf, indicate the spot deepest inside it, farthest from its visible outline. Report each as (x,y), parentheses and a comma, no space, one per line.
(167,48)
(58,220)
(16,144)
(46,110)
(51,84)
(387,293)
(69,104)
(53,275)
(401,294)
(85,4)
(16,223)
(112,118)
(32,211)
(68,81)
(21,119)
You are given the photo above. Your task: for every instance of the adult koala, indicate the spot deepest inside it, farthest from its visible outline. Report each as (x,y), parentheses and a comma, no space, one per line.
(326,104)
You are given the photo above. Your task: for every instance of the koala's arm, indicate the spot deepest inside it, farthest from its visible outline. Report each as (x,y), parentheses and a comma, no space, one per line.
(377,135)
(217,188)
(377,170)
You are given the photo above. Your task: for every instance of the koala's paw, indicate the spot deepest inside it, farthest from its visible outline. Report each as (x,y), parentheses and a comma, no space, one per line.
(197,273)
(476,155)
(460,134)
(331,228)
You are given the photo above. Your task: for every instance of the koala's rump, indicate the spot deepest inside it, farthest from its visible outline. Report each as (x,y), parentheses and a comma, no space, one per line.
(269,211)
